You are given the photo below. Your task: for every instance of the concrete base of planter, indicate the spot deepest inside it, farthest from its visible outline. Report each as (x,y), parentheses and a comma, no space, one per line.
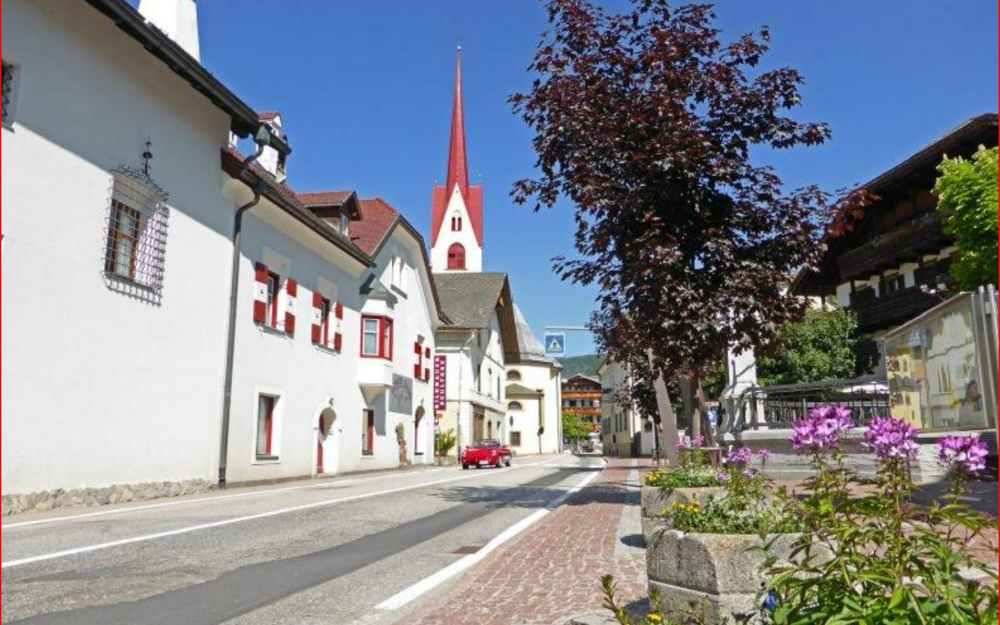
(447,461)
(655,500)
(721,572)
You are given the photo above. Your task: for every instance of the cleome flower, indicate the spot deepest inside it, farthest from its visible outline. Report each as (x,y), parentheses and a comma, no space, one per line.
(821,432)
(892,439)
(963,454)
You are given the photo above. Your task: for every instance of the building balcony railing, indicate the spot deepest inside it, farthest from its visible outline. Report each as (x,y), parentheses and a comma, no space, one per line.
(893,309)
(906,243)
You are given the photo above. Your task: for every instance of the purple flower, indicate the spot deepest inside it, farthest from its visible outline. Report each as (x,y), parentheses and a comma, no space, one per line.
(724,477)
(742,455)
(750,474)
(764,454)
(698,442)
(964,454)
(822,430)
(892,439)
(683,444)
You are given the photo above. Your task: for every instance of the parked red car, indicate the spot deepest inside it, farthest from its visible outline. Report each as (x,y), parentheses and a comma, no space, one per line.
(488,453)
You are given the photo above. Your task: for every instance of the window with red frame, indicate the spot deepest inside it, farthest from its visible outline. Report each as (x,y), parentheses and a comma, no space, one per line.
(273,296)
(265,427)
(325,311)
(377,335)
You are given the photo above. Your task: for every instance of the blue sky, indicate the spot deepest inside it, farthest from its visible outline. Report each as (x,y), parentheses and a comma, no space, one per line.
(366,87)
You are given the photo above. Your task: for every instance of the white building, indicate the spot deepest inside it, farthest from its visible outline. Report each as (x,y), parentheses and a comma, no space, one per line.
(114,348)
(124,366)
(475,346)
(534,395)
(625,432)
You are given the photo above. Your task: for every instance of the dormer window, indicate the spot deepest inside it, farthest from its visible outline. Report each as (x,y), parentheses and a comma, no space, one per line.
(344,225)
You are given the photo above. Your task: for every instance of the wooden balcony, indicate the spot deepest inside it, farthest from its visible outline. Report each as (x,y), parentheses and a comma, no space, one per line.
(906,243)
(893,309)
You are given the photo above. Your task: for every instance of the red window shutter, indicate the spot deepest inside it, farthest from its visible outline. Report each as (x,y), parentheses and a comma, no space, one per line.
(260,293)
(338,336)
(318,321)
(292,290)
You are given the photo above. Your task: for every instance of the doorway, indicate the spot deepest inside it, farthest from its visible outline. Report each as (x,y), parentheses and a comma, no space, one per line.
(324,442)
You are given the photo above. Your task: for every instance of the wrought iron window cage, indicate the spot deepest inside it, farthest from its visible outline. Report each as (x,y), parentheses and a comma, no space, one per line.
(8,89)
(135,234)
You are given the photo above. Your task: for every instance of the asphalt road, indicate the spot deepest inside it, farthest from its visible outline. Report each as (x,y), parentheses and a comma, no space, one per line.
(325,553)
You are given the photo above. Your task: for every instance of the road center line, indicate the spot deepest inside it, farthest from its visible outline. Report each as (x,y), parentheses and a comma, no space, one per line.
(420,589)
(247,519)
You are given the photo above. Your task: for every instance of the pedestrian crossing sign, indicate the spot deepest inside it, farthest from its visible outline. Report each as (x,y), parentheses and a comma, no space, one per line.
(555,344)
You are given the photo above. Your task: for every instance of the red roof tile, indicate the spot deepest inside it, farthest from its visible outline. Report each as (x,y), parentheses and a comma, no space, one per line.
(379,218)
(326,198)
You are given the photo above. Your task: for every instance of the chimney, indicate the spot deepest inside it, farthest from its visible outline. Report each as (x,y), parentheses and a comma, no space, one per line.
(178,19)
(270,160)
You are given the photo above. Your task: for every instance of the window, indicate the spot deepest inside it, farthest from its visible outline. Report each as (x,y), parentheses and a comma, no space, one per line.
(123,241)
(344,225)
(896,284)
(377,335)
(456,223)
(515,406)
(135,233)
(325,311)
(515,439)
(273,297)
(513,376)
(456,257)
(368,433)
(8,92)
(265,427)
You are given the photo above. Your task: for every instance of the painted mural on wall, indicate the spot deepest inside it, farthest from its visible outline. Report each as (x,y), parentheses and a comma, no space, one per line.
(401,395)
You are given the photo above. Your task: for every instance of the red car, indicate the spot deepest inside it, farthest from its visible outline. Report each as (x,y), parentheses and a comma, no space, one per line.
(488,453)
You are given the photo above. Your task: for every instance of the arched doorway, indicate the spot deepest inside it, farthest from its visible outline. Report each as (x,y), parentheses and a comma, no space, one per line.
(418,443)
(324,443)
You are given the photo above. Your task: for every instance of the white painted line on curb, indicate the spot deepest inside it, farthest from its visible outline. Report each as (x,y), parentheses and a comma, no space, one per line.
(238,521)
(427,585)
(210,499)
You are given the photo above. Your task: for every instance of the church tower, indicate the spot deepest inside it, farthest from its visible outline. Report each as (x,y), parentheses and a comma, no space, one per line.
(457,218)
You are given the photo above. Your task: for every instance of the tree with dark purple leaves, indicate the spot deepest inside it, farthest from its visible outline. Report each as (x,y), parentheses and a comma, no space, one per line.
(653,126)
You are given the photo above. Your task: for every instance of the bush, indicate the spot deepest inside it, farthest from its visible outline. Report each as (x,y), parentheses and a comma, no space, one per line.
(446,443)
(968,190)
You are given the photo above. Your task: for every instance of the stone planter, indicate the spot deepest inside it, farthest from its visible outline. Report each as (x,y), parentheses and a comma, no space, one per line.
(721,572)
(446,461)
(655,500)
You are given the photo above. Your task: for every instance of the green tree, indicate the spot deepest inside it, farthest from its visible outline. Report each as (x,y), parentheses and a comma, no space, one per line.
(969,200)
(573,427)
(820,348)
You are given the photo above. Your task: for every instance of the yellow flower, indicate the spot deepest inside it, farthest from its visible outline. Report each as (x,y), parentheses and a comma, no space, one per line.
(654,618)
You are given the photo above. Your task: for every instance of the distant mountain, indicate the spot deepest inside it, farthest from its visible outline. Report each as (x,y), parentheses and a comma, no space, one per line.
(580,365)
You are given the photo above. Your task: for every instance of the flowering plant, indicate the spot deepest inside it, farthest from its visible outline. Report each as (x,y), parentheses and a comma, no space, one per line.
(657,615)
(872,557)
(694,470)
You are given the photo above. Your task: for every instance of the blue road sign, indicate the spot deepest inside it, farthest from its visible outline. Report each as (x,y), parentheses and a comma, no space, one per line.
(555,345)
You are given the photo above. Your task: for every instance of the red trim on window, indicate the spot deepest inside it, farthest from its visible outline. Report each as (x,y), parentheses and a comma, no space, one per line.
(386,337)
(274,298)
(292,290)
(318,319)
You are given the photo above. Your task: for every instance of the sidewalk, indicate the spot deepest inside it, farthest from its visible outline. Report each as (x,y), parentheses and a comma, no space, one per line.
(553,572)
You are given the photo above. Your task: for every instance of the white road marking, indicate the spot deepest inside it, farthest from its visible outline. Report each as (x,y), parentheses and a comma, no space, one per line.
(208,500)
(419,589)
(247,519)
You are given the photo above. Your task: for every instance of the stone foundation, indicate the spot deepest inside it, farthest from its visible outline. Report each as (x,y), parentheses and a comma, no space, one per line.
(93,497)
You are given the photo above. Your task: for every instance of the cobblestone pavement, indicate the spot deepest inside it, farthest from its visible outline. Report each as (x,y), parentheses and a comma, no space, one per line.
(552,573)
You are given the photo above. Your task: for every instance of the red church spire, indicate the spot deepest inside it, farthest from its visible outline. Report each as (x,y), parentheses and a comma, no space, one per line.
(458,160)
(458,170)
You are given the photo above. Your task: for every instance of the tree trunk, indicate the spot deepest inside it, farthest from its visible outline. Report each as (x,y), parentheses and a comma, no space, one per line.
(668,420)
(690,408)
(704,425)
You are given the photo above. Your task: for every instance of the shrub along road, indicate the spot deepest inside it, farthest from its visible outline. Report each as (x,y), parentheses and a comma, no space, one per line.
(314,553)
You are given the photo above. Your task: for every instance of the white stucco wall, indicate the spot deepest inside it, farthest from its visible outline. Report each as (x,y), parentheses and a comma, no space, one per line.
(101,388)
(466,237)
(312,382)
(540,413)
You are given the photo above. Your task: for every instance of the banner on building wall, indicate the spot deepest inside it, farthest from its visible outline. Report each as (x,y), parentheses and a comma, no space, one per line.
(440,384)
